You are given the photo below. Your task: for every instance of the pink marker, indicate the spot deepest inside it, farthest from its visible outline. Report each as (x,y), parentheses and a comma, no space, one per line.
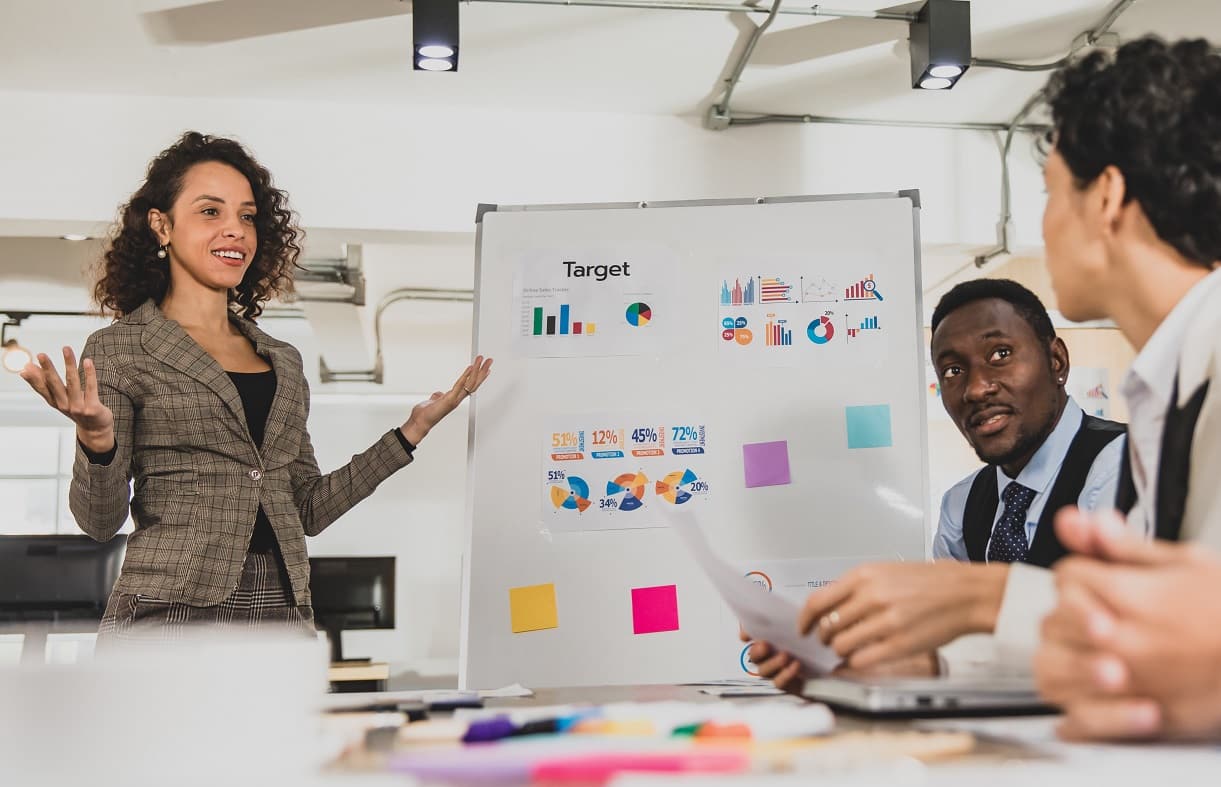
(600,768)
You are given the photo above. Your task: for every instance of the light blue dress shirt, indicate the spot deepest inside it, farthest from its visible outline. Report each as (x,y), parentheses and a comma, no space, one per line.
(1039,474)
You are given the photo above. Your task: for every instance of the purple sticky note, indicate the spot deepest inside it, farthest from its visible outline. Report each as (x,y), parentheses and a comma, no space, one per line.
(654,609)
(767,464)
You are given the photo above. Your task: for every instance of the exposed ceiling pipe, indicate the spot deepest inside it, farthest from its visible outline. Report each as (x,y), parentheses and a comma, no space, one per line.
(336,281)
(730,8)
(1004,227)
(1092,37)
(718,114)
(721,116)
(376,374)
(1035,128)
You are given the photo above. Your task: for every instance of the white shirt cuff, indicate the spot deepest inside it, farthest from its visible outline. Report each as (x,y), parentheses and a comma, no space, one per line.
(1030,594)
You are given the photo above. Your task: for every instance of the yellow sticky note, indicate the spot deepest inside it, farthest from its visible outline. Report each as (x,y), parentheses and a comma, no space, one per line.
(532,608)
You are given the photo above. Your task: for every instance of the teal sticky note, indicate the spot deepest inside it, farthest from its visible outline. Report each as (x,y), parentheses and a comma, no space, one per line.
(868,426)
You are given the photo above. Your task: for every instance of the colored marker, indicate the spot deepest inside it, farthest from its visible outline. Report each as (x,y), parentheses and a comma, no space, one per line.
(599,768)
(732,731)
(487,730)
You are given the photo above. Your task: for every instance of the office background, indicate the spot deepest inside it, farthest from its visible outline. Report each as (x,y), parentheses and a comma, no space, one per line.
(385,166)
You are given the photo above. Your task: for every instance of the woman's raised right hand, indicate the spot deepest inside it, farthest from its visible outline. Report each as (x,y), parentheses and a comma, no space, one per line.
(94,421)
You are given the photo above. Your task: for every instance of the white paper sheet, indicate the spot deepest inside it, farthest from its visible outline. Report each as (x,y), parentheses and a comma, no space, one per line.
(765,615)
(511,691)
(765,690)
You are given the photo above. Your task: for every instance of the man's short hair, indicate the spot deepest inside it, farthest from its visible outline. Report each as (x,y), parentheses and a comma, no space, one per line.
(1153,110)
(1023,301)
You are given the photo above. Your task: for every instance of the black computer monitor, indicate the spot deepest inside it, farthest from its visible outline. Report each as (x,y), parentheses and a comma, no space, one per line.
(351,593)
(55,583)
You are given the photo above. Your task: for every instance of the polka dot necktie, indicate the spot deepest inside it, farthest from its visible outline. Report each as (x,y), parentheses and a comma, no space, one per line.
(1009,536)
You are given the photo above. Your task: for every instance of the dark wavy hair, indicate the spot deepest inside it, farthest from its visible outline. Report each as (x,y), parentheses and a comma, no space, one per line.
(130,271)
(1153,110)
(1024,302)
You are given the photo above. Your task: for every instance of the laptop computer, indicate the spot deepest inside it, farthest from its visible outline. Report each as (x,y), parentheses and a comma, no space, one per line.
(911,697)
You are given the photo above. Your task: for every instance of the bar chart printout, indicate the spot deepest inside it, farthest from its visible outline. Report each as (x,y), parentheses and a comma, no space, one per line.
(738,293)
(541,321)
(866,324)
(778,334)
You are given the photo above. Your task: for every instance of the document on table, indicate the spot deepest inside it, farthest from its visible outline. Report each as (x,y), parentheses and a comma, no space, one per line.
(765,615)
(765,690)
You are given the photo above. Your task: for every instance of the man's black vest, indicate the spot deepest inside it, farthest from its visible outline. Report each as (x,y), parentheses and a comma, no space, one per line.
(1174,466)
(980,513)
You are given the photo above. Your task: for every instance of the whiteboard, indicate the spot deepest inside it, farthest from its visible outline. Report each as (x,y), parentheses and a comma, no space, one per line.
(681,354)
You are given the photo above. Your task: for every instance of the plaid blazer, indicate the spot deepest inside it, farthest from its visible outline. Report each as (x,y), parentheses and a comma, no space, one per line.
(199,478)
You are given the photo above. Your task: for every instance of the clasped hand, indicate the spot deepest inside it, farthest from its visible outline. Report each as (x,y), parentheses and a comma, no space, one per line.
(1133,646)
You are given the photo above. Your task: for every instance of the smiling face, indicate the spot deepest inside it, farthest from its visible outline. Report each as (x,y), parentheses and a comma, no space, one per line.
(998,383)
(210,228)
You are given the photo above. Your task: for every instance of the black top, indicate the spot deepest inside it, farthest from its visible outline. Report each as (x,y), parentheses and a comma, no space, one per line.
(1045,548)
(257,390)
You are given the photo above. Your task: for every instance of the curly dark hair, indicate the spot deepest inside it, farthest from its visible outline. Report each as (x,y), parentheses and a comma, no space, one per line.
(130,271)
(1153,110)
(1024,302)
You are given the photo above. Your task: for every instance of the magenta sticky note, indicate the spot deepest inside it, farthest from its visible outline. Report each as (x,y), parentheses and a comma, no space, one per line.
(654,609)
(767,464)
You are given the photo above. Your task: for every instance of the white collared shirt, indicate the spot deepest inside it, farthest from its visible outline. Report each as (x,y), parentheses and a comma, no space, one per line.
(1148,386)
(1039,475)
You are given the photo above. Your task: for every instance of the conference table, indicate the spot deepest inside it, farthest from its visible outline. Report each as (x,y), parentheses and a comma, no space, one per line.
(882,745)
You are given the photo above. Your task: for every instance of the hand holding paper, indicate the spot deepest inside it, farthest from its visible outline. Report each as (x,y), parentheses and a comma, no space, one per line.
(767,616)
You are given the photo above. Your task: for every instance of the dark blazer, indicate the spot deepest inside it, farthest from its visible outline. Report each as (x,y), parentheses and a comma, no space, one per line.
(181,434)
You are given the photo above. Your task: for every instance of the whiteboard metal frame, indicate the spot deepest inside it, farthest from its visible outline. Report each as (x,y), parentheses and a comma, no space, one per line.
(485,208)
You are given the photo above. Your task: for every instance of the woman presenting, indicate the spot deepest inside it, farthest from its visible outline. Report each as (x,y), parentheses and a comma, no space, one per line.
(186,396)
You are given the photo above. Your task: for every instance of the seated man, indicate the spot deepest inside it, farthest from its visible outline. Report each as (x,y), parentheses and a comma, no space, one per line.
(1134,192)
(1002,371)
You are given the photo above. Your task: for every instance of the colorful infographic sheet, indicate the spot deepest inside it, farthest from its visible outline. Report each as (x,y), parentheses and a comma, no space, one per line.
(784,313)
(581,303)
(1090,387)
(614,472)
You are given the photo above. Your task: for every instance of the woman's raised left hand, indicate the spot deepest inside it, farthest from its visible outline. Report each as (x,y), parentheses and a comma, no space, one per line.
(427,414)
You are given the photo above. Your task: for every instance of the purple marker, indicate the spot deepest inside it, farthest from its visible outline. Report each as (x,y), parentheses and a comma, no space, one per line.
(492,729)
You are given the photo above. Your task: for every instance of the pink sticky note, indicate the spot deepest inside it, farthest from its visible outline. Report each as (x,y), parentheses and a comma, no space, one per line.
(767,464)
(654,609)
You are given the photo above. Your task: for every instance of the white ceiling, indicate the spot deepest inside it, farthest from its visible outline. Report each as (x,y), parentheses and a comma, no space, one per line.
(555,57)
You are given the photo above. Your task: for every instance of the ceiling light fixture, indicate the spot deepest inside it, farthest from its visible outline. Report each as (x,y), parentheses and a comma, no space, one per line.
(940,44)
(434,64)
(434,32)
(945,72)
(13,356)
(435,51)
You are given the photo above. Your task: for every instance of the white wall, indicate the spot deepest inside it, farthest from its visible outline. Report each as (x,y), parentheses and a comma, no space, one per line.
(380,167)
(75,158)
